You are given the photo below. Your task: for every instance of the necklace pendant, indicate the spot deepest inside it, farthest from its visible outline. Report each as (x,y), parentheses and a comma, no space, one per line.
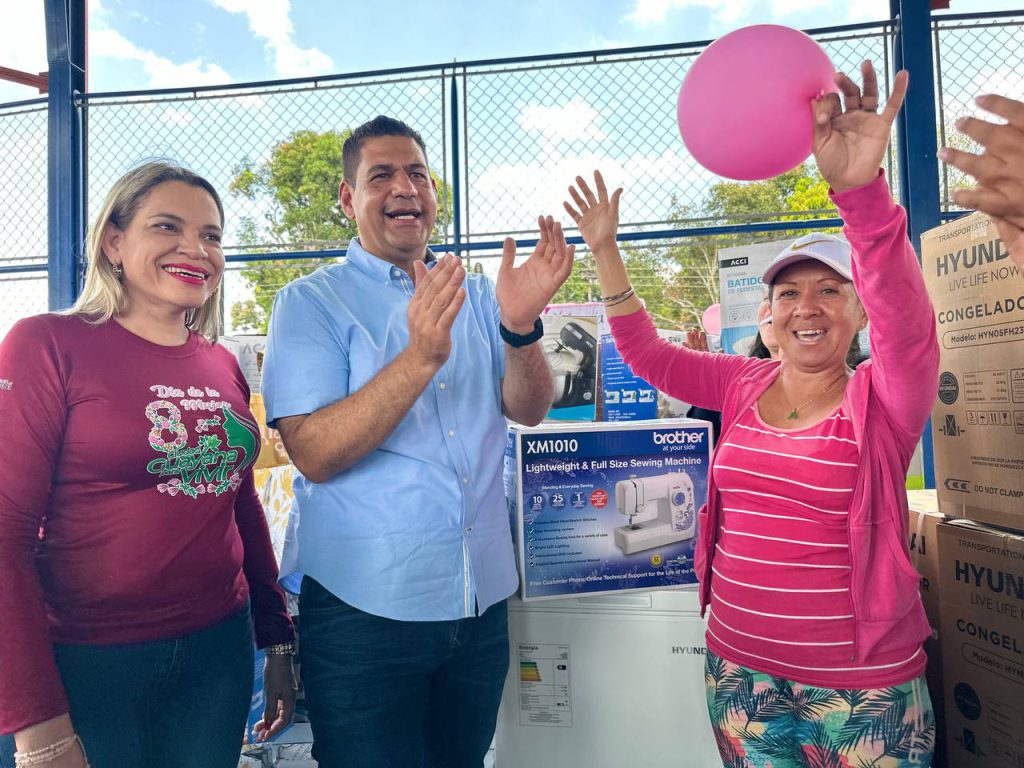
(793,414)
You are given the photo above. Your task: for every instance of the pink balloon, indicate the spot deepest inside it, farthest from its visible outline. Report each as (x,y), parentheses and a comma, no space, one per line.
(745,105)
(712,320)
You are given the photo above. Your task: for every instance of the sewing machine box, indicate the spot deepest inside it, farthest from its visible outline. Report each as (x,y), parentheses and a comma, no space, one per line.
(982,632)
(606,507)
(978,419)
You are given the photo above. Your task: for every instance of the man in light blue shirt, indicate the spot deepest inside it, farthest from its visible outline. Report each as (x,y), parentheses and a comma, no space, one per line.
(389,377)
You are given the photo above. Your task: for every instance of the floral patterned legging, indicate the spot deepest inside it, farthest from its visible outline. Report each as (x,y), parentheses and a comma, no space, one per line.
(761,721)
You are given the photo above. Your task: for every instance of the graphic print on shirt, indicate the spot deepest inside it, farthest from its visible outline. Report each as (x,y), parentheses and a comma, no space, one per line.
(214,460)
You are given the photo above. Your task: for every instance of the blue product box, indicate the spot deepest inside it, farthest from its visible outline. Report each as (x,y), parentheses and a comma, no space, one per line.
(606,507)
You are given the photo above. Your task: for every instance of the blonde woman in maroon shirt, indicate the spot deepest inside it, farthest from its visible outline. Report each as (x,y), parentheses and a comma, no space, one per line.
(135,556)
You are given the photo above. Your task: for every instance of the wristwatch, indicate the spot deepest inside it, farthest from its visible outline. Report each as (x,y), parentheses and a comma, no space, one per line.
(522,339)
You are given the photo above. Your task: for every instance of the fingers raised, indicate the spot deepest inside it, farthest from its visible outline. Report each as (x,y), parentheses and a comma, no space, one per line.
(616,195)
(869,97)
(825,109)
(582,205)
(978,166)
(585,189)
(850,91)
(895,100)
(508,255)
(602,189)
(987,200)
(436,287)
(1009,109)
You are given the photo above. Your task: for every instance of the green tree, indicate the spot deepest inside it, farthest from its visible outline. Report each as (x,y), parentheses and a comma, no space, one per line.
(679,280)
(695,284)
(298,187)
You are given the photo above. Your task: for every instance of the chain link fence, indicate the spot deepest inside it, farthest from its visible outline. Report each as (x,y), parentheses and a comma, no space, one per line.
(531,128)
(972,57)
(265,148)
(23,211)
(507,138)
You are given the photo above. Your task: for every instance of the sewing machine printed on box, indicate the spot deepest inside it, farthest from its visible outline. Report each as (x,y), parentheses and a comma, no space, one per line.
(606,507)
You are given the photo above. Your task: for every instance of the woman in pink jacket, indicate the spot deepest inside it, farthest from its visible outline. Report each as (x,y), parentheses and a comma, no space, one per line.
(816,624)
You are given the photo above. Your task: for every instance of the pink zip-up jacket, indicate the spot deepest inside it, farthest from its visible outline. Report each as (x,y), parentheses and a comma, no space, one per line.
(889,398)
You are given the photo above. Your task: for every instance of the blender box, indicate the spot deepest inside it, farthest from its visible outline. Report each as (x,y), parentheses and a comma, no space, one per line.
(601,508)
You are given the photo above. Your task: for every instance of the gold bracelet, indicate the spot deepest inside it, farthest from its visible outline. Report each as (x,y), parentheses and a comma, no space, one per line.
(280,649)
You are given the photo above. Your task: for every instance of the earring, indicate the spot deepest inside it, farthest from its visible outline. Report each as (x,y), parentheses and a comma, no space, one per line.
(118,270)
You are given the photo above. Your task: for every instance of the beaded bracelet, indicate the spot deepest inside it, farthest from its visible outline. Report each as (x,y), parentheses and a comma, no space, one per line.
(618,296)
(49,753)
(280,649)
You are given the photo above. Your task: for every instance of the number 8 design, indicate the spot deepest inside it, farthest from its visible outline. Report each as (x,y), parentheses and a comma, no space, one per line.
(163,424)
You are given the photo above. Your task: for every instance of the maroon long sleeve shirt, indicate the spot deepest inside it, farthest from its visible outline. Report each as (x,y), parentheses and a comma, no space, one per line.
(127,506)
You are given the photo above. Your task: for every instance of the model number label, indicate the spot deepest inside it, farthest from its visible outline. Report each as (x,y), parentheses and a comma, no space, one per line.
(570,445)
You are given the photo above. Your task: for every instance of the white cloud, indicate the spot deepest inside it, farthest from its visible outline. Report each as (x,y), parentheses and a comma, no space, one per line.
(728,12)
(23,47)
(540,187)
(605,44)
(178,117)
(650,12)
(162,72)
(573,120)
(270,20)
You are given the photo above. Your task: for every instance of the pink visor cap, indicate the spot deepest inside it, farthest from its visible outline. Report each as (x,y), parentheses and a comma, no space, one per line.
(829,250)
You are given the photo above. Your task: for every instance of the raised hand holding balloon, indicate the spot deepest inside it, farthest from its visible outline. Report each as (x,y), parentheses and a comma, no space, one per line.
(744,105)
(850,139)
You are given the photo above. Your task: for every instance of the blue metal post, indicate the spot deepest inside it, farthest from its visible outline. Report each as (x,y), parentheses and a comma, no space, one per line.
(456,175)
(918,145)
(65,51)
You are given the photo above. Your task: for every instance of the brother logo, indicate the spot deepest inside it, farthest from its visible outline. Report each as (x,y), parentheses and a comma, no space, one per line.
(679,437)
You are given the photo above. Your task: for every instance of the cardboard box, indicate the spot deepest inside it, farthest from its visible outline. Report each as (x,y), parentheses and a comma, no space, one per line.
(606,507)
(924,554)
(571,345)
(978,420)
(249,351)
(981,585)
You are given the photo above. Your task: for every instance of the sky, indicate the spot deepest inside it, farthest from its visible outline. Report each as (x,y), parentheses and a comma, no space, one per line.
(137,44)
(526,134)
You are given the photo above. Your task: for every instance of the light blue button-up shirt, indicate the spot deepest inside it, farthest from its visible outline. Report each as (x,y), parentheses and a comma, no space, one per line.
(418,529)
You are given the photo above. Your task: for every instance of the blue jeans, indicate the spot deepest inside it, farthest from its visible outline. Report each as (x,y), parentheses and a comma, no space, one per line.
(6,751)
(163,704)
(399,694)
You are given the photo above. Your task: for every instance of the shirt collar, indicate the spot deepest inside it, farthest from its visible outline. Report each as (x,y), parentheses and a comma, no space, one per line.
(377,268)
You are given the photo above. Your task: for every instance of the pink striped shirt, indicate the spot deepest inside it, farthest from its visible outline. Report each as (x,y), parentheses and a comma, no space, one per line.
(780,585)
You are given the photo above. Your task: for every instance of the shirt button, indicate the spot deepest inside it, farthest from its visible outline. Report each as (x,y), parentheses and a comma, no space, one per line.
(451,433)
(465,481)
(469,529)
(442,385)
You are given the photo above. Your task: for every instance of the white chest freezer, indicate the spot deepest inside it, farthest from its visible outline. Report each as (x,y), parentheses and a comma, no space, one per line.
(610,681)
